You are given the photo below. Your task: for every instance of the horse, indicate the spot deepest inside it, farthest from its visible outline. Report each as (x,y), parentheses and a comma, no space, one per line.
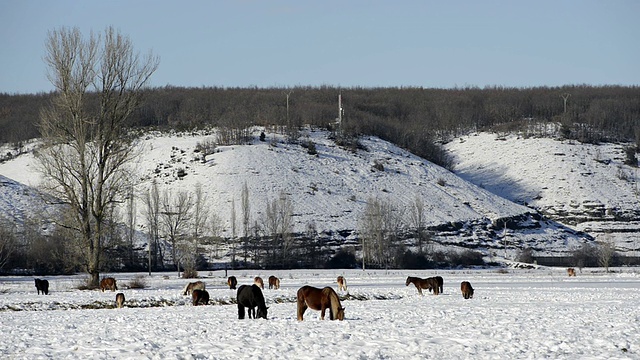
(440,284)
(108,283)
(571,272)
(42,285)
(119,300)
(342,283)
(258,281)
(250,296)
(274,282)
(197,285)
(199,297)
(319,299)
(467,290)
(428,283)
(232,282)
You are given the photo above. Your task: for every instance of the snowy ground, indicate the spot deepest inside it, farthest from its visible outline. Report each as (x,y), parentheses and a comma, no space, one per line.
(535,313)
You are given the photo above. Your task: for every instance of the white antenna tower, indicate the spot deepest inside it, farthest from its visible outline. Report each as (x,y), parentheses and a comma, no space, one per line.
(340,110)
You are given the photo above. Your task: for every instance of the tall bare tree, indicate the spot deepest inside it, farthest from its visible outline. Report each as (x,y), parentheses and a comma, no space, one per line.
(246,217)
(174,218)
(98,82)
(152,216)
(199,222)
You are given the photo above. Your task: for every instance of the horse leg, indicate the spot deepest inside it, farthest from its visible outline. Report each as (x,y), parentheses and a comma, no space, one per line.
(240,312)
(302,307)
(323,310)
(252,313)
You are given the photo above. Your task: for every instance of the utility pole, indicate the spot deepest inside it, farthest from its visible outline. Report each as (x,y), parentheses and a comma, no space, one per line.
(288,124)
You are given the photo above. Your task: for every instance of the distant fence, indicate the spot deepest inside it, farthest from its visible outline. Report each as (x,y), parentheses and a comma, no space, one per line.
(570,261)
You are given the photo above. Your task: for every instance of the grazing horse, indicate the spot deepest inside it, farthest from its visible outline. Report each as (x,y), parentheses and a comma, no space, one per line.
(232,282)
(440,284)
(428,283)
(42,285)
(320,299)
(258,281)
(197,285)
(274,282)
(119,300)
(200,297)
(250,296)
(467,290)
(342,283)
(571,272)
(108,283)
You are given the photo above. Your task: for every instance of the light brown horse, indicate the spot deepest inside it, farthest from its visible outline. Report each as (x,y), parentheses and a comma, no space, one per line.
(200,297)
(274,282)
(571,272)
(428,283)
(232,282)
(467,290)
(258,281)
(319,299)
(108,283)
(342,283)
(196,285)
(119,300)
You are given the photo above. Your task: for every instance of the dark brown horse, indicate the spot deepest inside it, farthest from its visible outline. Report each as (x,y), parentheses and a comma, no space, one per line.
(467,290)
(342,283)
(197,285)
(274,282)
(320,299)
(250,296)
(42,285)
(119,300)
(232,282)
(428,283)
(200,297)
(440,282)
(108,283)
(258,281)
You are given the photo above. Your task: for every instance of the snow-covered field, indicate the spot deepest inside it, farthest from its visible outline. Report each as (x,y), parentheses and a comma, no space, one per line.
(515,313)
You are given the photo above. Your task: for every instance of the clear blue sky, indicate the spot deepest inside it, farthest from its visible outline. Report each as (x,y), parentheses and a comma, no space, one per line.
(343,43)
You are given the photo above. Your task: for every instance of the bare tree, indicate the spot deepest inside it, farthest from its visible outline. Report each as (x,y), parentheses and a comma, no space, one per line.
(279,224)
(379,229)
(199,221)
(87,147)
(7,242)
(174,218)
(233,233)
(152,215)
(417,218)
(605,252)
(246,218)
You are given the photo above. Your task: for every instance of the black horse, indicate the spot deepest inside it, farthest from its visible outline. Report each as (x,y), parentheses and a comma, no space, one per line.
(42,285)
(250,296)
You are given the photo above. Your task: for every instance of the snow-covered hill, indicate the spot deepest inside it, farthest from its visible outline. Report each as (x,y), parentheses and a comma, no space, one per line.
(331,189)
(585,186)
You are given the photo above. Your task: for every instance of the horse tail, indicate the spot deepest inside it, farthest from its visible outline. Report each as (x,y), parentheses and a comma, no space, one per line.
(302,306)
(186,289)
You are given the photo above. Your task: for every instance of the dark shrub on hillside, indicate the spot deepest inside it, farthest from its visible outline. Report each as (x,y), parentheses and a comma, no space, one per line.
(525,256)
(411,260)
(631,158)
(466,258)
(342,260)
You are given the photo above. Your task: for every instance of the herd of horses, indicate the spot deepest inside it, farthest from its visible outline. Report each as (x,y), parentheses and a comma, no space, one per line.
(307,297)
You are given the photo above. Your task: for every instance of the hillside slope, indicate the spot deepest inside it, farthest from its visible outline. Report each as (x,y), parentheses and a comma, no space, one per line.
(331,189)
(587,187)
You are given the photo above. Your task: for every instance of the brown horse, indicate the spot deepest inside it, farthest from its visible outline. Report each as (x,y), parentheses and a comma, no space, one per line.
(342,283)
(467,290)
(232,282)
(440,284)
(258,281)
(320,299)
(200,297)
(42,285)
(197,285)
(119,300)
(571,272)
(108,283)
(274,282)
(428,283)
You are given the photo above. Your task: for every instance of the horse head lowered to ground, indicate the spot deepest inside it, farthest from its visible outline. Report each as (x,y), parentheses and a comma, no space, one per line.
(250,296)
(319,299)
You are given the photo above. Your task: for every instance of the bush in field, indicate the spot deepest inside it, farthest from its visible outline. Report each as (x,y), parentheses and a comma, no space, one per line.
(138,282)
